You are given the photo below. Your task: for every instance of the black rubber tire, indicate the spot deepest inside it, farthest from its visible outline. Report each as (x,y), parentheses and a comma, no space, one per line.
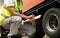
(58,1)
(0,32)
(33,23)
(46,19)
(39,29)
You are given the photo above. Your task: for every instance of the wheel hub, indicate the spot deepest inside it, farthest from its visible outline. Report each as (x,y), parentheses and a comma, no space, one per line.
(52,23)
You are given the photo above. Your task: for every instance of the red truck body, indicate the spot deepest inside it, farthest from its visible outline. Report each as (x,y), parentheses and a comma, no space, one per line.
(28,4)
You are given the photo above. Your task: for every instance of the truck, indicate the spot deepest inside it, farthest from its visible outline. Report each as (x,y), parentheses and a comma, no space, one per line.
(49,22)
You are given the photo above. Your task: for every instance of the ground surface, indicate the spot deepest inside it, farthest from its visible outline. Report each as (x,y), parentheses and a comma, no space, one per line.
(45,36)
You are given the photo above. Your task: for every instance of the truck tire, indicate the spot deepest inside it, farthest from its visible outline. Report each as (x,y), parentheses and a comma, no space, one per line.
(51,22)
(0,32)
(32,26)
(58,1)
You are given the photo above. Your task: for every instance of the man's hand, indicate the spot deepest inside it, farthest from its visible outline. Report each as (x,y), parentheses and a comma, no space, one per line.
(31,17)
(0,24)
(29,20)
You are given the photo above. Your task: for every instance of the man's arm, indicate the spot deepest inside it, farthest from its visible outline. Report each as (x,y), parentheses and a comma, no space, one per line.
(12,10)
(10,6)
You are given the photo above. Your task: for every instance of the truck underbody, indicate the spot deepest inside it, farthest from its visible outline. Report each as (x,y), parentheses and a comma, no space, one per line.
(42,7)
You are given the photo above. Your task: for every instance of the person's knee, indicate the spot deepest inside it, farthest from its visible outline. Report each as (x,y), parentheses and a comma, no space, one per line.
(16,19)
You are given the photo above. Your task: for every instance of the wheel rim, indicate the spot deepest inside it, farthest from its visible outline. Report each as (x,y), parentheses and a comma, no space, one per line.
(52,22)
